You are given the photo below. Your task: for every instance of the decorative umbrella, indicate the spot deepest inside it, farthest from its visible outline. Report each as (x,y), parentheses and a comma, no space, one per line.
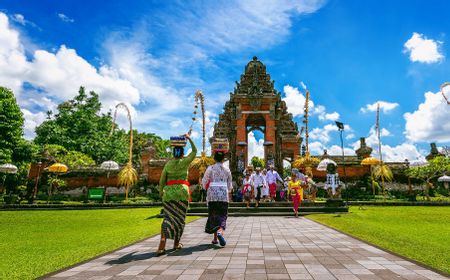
(57,168)
(8,168)
(109,165)
(324,163)
(370,161)
(444,179)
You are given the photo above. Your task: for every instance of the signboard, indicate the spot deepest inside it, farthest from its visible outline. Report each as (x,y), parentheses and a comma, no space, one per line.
(96,193)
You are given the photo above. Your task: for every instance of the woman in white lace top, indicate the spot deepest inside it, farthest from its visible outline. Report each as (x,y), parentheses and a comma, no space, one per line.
(217,181)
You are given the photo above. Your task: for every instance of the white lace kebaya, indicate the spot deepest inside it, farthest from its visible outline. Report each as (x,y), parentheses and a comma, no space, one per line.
(220,183)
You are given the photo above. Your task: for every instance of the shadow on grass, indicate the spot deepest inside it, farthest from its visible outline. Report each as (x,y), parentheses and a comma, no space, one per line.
(154,217)
(132,257)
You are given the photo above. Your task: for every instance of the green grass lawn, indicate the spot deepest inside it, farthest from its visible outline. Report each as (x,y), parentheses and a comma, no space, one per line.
(34,243)
(421,233)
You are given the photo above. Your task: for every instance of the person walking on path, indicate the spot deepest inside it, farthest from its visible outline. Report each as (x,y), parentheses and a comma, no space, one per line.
(247,189)
(272,177)
(258,182)
(218,179)
(296,192)
(175,193)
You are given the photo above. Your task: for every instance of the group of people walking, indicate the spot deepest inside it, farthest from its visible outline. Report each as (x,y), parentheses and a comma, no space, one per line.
(217,181)
(259,185)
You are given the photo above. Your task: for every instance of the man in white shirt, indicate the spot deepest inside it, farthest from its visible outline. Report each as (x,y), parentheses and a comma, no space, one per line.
(259,182)
(271,178)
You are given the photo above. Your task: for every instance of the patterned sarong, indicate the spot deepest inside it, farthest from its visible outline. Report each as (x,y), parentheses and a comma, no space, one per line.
(273,190)
(174,218)
(217,216)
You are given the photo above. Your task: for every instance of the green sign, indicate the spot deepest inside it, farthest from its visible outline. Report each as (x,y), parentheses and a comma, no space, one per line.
(96,193)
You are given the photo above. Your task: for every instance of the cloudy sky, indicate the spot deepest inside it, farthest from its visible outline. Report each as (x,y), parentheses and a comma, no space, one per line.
(153,55)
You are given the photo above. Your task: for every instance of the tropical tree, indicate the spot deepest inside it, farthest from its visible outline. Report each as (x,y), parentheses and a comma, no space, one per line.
(257,162)
(72,159)
(11,125)
(429,173)
(80,126)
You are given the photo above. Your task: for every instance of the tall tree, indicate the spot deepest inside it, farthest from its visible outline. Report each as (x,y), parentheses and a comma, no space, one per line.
(257,162)
(11,125)
(80,126)
(436,167)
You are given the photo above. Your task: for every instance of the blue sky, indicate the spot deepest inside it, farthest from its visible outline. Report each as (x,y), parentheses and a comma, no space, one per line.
(153,55)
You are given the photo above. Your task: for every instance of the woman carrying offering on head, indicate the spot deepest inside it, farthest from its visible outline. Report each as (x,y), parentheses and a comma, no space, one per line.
(295,190)
(175,193)
(218,177)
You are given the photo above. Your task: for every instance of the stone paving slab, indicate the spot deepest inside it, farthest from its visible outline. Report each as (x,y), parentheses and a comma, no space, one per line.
(257,248)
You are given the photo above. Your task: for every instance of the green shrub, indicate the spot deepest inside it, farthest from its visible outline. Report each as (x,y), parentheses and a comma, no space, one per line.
(11,198)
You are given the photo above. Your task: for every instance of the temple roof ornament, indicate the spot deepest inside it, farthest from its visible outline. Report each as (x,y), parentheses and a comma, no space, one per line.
(434,152)
(363,151)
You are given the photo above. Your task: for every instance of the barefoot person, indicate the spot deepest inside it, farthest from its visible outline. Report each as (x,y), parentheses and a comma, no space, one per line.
(296,192)
(174,189)
(218,178)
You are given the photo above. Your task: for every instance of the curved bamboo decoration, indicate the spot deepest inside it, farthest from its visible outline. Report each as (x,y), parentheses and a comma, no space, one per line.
(203,162)
(128,175)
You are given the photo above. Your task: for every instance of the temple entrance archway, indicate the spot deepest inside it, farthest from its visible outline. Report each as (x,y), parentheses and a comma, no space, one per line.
(256,105)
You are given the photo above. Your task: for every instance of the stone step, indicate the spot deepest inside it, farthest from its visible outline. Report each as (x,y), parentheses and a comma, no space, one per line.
(264,204)
(258,214)
(273,209)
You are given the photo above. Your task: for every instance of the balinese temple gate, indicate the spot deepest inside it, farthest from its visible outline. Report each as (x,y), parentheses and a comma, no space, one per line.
(256,105)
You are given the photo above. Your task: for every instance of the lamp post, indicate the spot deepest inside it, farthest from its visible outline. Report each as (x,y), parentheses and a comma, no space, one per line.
(341,130)
(37,182)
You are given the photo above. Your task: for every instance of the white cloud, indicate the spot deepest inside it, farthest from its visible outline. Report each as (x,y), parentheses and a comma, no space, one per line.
(255,147)
(295,100)
(56,76)
(424,50)
(31,121)
(350,136)
(384,106)
(175,123)
(430,122)
(19,19)
(396,153)
(329,116)
(65,18)
(320,111)
(323,134)
(234,25)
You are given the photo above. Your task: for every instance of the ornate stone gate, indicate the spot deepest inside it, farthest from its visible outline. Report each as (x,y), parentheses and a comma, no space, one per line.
(256,105)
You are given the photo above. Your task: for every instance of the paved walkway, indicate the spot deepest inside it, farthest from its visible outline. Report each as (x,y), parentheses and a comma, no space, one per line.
(258,248)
